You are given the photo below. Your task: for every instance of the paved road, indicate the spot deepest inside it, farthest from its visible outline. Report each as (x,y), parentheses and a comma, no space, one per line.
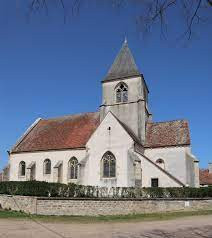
(193,227)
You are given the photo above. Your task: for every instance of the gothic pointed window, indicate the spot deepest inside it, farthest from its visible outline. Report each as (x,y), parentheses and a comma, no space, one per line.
(121,93)
(73,168)
(109,165)
(118,95)
(22,168)
(47,166)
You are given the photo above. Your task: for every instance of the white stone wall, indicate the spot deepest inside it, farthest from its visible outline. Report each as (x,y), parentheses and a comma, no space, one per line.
(118,142)
(190,171)
(196,171)
(150,171)
(176,162)
(38,158)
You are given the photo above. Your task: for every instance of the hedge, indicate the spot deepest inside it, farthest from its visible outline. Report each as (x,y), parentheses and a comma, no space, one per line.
(44,189)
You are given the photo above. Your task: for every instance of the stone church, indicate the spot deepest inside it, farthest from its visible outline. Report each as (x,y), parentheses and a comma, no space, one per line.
(120,145)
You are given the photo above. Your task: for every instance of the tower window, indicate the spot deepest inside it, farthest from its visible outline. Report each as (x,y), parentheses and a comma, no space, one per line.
(121,93)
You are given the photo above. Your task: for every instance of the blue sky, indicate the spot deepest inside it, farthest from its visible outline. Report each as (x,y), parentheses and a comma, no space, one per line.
(49,69)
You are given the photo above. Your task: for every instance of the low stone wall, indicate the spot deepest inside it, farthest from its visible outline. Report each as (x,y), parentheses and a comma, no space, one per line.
(94,207)
(116,207)
(19,203)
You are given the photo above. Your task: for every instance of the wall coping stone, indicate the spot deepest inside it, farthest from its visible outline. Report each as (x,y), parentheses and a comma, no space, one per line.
(124,199)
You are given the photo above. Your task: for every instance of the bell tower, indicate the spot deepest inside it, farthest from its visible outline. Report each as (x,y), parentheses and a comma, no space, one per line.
(125,93)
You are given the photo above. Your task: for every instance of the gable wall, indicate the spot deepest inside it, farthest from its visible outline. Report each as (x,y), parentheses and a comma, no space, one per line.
(118,142)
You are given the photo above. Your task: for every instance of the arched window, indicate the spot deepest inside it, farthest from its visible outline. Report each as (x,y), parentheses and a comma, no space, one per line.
(121,93)
(47,166)
(22,168)
(73,168)
(161,163)
(109,165)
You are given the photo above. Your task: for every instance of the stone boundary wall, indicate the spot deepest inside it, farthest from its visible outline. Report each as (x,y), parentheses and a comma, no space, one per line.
(19,203)
(94,207)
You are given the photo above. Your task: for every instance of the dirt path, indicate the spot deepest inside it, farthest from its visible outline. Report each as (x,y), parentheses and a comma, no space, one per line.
(190,227)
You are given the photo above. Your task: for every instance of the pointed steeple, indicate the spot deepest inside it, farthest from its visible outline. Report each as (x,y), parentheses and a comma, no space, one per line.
(124,65)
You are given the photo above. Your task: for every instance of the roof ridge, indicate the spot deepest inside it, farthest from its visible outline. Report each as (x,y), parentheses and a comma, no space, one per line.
(70,115)
(157,122)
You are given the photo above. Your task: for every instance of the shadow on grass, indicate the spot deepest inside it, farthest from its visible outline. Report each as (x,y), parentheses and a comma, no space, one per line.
(7,214)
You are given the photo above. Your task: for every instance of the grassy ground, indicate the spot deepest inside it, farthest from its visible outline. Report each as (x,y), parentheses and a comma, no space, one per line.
(94,219)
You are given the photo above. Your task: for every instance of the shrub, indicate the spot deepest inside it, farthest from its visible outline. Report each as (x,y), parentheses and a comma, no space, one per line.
(31,188)
(44,189)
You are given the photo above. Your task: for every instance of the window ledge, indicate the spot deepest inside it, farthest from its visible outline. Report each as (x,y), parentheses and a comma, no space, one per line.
(104,178)
(73,180)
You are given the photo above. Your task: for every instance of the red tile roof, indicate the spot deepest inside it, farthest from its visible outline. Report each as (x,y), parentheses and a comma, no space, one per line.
(74,131)
(170,133)
(205,178)
(60,133)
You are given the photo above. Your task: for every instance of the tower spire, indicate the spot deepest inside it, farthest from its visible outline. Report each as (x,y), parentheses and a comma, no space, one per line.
(124,64)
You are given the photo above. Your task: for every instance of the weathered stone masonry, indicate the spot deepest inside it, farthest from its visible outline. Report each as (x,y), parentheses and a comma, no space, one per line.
(95,207)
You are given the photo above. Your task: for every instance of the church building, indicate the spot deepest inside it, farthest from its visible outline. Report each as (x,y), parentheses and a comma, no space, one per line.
(118,146)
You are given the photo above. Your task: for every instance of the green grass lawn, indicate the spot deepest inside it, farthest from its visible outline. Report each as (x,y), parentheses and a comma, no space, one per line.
(93,219)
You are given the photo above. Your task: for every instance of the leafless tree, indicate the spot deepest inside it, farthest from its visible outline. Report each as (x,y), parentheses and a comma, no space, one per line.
(151,12)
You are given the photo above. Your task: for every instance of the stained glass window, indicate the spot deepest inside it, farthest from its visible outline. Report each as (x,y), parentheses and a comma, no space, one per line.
(73,168)
(118,95)
(22,168)
(109,165)
(47,166)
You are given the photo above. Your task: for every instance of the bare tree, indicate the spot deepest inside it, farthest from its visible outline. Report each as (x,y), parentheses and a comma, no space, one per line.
(151,12)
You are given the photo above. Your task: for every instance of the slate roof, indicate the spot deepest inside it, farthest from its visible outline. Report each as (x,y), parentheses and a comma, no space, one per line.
(123,66)
(71,132)
(169,133)
(59,133)
(205,178)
